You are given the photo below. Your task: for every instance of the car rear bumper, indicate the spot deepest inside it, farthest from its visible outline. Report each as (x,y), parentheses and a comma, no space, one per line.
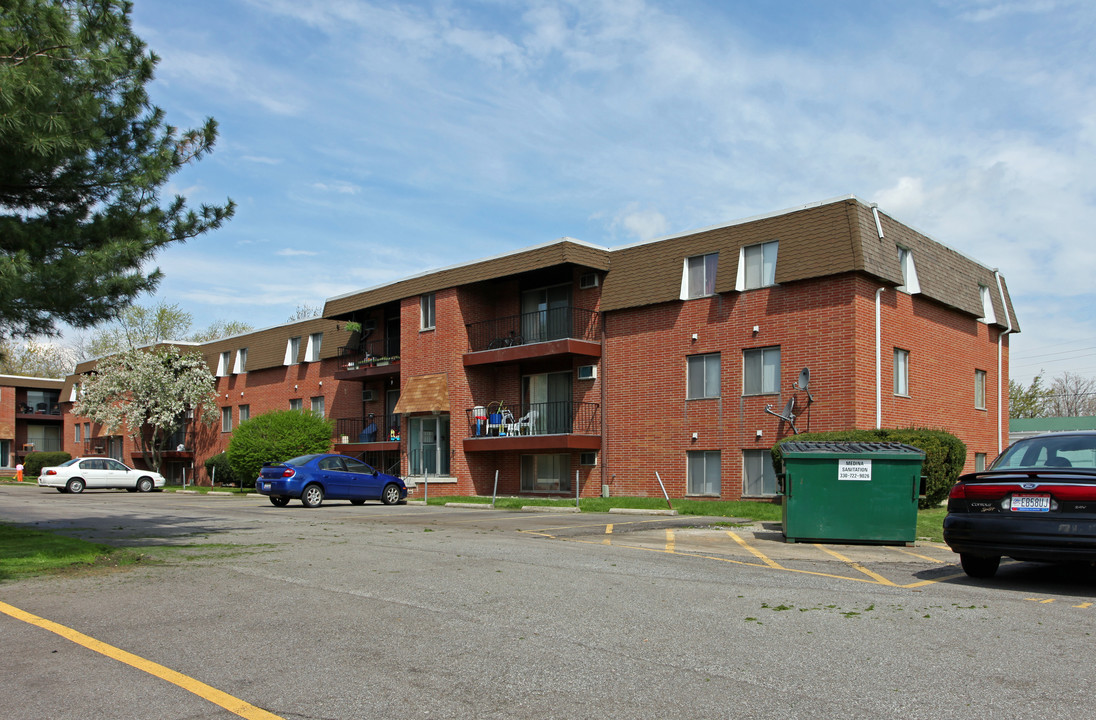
(1050,538)
(277,488)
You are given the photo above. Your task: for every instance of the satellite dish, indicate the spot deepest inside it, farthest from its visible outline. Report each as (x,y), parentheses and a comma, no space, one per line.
(804,379)
(787,415)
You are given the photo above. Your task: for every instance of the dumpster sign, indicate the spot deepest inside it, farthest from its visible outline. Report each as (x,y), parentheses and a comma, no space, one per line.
(858,470)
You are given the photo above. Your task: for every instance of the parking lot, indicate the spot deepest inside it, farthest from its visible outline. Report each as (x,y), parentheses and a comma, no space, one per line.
(344,612)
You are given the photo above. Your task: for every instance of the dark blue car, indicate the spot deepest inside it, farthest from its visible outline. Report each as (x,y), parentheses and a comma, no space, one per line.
(335,477)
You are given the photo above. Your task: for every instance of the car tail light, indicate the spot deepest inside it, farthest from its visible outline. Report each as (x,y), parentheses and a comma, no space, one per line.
(51,472)
(980,492)
(288,472)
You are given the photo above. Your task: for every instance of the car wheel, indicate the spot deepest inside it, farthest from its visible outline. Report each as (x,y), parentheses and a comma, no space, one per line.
(391,494)
(357,502)
(979,566)
(75,485)
(278,501)
(312,496)
(145,485)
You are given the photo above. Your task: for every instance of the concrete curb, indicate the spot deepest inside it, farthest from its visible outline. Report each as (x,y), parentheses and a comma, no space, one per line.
(640,511)
(548,509)
(471,506)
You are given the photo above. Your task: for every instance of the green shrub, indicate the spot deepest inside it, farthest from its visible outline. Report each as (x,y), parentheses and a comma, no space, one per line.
(35,461)
(275,437)
(944,454)
(219,469)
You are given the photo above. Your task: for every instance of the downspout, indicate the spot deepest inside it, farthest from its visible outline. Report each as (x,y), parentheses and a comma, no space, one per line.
(1000,356)
(878,361)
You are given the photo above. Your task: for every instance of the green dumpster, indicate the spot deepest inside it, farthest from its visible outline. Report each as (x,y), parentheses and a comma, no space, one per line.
(851,491)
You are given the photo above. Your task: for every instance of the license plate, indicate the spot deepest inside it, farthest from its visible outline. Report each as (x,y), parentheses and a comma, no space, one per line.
(266,486)
(1031,503)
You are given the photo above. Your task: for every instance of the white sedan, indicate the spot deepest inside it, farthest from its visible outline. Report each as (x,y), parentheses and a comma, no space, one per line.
(98,472)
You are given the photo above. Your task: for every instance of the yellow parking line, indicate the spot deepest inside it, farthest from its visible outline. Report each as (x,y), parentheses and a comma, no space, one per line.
(670,542)
(609,529)
(754,551)
(855,565)
(1082,606)
(232,704)
(917,555)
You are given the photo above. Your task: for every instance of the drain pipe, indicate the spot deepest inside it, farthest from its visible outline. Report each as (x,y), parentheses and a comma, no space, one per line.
(1000,355)
(878,361)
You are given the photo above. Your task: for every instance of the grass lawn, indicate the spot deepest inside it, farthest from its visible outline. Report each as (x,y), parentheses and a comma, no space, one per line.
(29,552)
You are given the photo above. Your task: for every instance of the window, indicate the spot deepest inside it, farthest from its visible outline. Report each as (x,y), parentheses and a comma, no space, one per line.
(312,352)
(87,431)
(317,406)
(980,389)
(761,375)
(988,316)
(901,372)
(241,362)
(292,351)
(245,413)
(226,419)
(699,276)
(428,446)
(426,312)
(587,458)
(545,473)
(757,266)
(74,393)
(703,376)
(76,432)
(296,404)
(979,461)
(759,478)
(224,363)
(909,272)
(703,472)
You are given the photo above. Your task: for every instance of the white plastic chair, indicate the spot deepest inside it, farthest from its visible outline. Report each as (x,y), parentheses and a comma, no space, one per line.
(528,421)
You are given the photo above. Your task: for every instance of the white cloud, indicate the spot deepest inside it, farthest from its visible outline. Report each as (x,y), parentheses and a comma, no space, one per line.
(289,252)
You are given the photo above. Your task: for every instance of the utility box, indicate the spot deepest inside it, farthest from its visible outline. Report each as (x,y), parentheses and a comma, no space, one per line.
(851,491)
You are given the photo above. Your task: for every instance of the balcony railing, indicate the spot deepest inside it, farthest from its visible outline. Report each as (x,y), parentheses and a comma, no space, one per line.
(361,430)
(534,327)
(371,353)
(548,418)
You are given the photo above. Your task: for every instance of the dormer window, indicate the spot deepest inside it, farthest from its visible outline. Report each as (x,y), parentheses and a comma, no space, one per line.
(312,352)
(292,351)
(698,278)
(241,362)
(909,272)
(988,316)
(224,363)
(757,266)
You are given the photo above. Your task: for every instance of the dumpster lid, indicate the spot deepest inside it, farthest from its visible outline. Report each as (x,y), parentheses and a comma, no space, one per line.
(874,449)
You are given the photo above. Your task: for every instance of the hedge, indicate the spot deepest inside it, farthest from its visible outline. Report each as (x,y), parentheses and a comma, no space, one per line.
(35,461)
(945,454)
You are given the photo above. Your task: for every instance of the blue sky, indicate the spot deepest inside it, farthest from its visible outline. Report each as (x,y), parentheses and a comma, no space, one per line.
(365,141)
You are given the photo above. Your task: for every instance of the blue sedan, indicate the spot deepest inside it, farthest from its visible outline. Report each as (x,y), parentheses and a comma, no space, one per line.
(312,478)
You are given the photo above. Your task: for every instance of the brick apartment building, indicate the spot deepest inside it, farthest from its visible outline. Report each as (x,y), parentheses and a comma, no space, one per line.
(30,417)
(681,356)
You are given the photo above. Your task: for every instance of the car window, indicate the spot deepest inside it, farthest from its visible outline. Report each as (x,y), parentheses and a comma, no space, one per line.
(91,465)
(357,466)
(67,463)
(1071,451)
(331,463)
(302,460)
(115,465)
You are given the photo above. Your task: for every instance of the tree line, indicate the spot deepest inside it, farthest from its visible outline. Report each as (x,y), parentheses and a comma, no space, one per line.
(1068,395)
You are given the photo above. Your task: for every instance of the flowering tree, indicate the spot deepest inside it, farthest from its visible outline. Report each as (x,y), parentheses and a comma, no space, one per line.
(148,393)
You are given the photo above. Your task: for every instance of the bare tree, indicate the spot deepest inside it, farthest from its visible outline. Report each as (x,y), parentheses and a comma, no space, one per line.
(1072,395)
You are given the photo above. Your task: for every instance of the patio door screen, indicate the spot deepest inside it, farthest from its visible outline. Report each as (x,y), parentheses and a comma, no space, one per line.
(429,445)
(549,396)
(546,314)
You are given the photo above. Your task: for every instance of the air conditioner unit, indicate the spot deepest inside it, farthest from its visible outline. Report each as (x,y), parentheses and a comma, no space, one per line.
(587,372)
(587,458)
(587,281)
(369,395)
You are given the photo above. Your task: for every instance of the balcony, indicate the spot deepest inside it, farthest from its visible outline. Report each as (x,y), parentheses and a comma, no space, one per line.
(534,426)
(375,358)
(540,334)
(373,433)
(39,412)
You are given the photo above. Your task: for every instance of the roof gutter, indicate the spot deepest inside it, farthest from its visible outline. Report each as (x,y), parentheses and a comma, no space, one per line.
(1000,360)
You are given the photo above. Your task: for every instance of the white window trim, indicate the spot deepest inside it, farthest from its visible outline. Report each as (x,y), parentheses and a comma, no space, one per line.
(432,299)
(988,316)
(912,285)
(905,354)
(685,295)
(240,366)
(223,363)
(980,378)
